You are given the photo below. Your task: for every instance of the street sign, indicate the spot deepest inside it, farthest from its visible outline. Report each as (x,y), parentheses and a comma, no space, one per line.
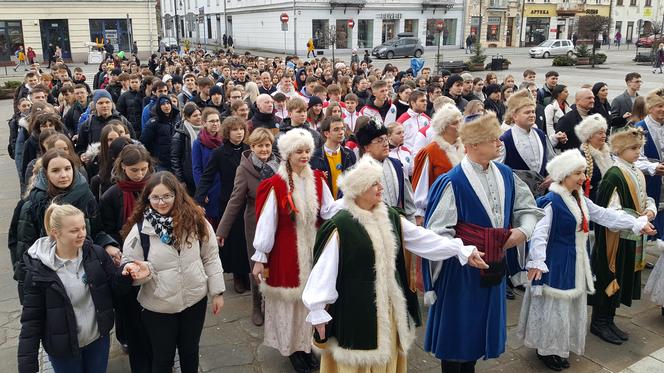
(351,23)
(284,26)
(439,25)
(284,17)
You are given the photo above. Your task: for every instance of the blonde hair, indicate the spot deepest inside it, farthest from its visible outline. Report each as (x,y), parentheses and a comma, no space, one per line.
(251,91)
(259,135)
(55,214)
(392,127)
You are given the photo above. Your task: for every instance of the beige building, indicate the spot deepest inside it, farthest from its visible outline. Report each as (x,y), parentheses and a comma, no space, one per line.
(493,22)
(72,25)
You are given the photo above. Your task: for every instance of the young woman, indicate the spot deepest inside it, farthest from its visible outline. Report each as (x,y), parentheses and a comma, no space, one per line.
(395,138)
(58,181)
(68,304)
(554,310)
(169,231)
(288,206)
(209,139)
(31,149)
(256,165)
(478,89)
(556,109)
(158,132)
(334,109)
(186,132)
(403,99)
(223,164)
(96,157)
(100,183)
(602,105)
(315,113)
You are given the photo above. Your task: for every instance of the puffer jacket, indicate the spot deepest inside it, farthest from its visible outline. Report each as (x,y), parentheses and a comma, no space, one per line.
(48,315)
(180,162)
(31,218)
(157,135)
(90,131)
(178,279)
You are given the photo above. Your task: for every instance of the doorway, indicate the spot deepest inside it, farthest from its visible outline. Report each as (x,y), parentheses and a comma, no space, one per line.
(389,29)
(510,29)
(56,32)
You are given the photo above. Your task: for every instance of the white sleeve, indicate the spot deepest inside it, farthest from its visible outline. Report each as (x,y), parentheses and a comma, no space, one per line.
(615,219)
(320,289)
(426,244)
(539,242)
(421,194)
(651,205)
(501,154)
(645,165)
(548,114)
(410,135)
(328,207)
(266,228)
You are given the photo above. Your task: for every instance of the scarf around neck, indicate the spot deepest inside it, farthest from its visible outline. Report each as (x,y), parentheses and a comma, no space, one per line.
(265,169)
(163,225)
(129,191)
(209,141)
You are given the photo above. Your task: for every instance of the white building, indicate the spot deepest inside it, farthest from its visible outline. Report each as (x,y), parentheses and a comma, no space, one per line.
(255,24)
(635,17)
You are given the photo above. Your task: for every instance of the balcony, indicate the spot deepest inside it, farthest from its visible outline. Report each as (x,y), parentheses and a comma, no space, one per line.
(497,5)
(444,5)
(345,4)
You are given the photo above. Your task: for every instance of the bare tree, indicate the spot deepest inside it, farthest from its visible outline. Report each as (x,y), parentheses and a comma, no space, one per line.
(328,36)
(590,27)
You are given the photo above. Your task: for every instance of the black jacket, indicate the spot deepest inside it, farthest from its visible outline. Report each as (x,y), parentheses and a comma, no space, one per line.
(223,162)
(402,107)
(30,151)
(181,164)
(48,315)
(262,120)
(603,108)
(496,107)
(90,130)
(567,124)
(158,134)
(115,90)
(130,105)
(319,162)
(72,117)
(110,211)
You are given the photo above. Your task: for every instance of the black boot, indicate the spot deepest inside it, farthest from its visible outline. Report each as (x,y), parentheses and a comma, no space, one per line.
(599,326)
(450,366)
(311,360)
(562,362)
(550,362)
(298,362)
(614,328)
(468,367)
(509,293)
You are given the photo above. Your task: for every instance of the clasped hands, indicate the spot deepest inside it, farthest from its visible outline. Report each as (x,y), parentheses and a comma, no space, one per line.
(138,270)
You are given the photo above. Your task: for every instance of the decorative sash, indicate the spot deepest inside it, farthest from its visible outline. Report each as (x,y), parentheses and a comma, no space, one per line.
(490,241)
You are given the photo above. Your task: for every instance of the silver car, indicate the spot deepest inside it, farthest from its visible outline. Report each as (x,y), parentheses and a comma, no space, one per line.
(404,45)
(552,47)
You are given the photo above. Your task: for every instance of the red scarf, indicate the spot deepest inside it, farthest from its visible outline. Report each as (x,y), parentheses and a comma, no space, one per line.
(209,141)
(129,189)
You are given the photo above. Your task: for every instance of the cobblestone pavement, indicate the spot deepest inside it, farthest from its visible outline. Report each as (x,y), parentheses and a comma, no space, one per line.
(231,343)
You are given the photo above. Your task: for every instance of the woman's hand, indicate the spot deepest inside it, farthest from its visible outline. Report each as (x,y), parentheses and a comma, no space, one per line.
(475,260)
(257,272)
(137,269)
(516,237)
(561,136)
(114,253)
(217,304)
(534,274)
(320,328)
(649,229)
(650,215)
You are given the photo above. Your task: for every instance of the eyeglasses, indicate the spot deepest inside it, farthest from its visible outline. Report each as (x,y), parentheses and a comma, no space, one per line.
(380,140)
(166,198)
(236,97)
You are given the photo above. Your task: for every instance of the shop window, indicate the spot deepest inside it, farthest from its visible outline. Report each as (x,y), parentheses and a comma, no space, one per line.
(365,33)
(475,26)
(319,31)
(11,37)
(619,3)
(493,29)
(632,2)
(448,34)
(114,30)
(390,29)
(410,25)
(618,26)
(343,34)
(648,2)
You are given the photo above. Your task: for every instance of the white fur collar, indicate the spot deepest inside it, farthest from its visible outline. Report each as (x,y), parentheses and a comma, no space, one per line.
(454,152)
(601,157)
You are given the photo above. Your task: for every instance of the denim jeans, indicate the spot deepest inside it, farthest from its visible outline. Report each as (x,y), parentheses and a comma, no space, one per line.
(92,359)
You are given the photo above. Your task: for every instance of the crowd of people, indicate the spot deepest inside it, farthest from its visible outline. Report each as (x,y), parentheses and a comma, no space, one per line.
(335,194)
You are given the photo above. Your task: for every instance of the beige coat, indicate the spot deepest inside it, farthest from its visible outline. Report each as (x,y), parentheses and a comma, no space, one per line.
(178,280)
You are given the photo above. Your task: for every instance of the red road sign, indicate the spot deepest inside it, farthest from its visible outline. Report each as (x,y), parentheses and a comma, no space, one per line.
(439,25)
(351,23)
(284,17)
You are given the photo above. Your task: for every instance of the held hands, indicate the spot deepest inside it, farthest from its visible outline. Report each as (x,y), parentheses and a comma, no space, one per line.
(534,274)
(258,272)
(649,214)
(217,304)
(320,328)
(114,253)
(475,260)
(516,237)
(220,241)
(649,230)
(659,170)
(561,136)
(137,269)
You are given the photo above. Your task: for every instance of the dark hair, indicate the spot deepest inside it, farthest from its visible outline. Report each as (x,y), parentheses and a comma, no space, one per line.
(631,76)
(130,155)
(557,90)
(43,136)
(41,119)
(551,73)
(527,72)
(327,123)
(232,122)
(189,222)
(108,159)
(415,95)
(50,155)
(189,109)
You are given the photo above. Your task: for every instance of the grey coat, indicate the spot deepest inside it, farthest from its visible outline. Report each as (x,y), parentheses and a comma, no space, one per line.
(619,106)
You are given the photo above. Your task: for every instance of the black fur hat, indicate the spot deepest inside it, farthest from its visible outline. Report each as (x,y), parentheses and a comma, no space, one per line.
(369,132)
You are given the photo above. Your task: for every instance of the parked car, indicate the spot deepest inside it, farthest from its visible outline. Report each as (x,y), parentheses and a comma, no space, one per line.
(648,41)
(552,47)
(404,45)
(170,44)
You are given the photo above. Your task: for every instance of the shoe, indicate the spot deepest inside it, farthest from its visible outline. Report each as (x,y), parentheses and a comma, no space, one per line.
(619,333)
(649,265)
(550,362)
(311,360)
(562,362)
(239,285)
(257,317)
(509,294)
(601,329)
(298,364)
(125,348)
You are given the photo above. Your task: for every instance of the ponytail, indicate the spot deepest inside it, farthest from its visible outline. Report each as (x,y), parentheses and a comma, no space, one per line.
(54,215)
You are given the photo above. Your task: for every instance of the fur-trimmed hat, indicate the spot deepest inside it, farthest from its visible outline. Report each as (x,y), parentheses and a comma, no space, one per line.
(369,132)
(293,140)
(485,128)
(564,164)
(444,116)
(654,98)
(360,177)
(623,139)
(589,126)
(517,100)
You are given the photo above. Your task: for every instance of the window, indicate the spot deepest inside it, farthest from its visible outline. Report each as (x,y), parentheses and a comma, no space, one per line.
(209,28)
(115,30)
(619,2)
(320,29)
(632,2)
(365,33)
(410,25)
(474,26)
(648,3)
(630,31)
(11,36)
(618,26)
(493,29)
(448,34)
(343,34)
(556,44)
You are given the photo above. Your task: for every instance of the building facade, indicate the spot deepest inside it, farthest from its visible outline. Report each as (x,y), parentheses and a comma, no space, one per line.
(72,25)
(494,23)
(636,17)
(253,24)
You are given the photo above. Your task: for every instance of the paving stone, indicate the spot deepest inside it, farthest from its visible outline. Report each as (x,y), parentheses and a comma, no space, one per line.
(220,356)
(659,354)
(646,365)
(617,358)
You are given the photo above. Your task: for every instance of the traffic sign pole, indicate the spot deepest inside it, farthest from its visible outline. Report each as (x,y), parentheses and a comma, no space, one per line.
(284,27)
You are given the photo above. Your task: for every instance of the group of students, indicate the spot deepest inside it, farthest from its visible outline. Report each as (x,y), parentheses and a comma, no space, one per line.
(334,194)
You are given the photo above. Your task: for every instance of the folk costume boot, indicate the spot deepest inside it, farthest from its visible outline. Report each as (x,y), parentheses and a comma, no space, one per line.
(257,317)
(298,362)
(614,328)
(311,360)
(599,326)
(450,366)
(550,362)
(240,282)
(468,367)
(563,362)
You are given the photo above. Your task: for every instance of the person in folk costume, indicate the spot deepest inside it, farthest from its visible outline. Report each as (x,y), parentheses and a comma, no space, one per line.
(618,257)
(592,134)
(478,198)
(554,309)
(288,207)
(525,150)
(651,161)
(357,293)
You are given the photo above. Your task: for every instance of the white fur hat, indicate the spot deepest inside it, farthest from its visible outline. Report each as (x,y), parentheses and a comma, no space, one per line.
(360,177)
(564,164)
(589,126)
(444,116)
(293,140)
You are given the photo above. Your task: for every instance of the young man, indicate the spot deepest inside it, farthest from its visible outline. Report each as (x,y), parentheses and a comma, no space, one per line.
(621,106)
(529,76)
(130,103)
(30,81)
(434,90)
(414,119)
(454,90)
(544,94)
(297,110)
(379,107)
(467,92)
(285,87)
(308,90)
(332,158)
(202,99)
(350,114)
(188,90)
(78,107)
